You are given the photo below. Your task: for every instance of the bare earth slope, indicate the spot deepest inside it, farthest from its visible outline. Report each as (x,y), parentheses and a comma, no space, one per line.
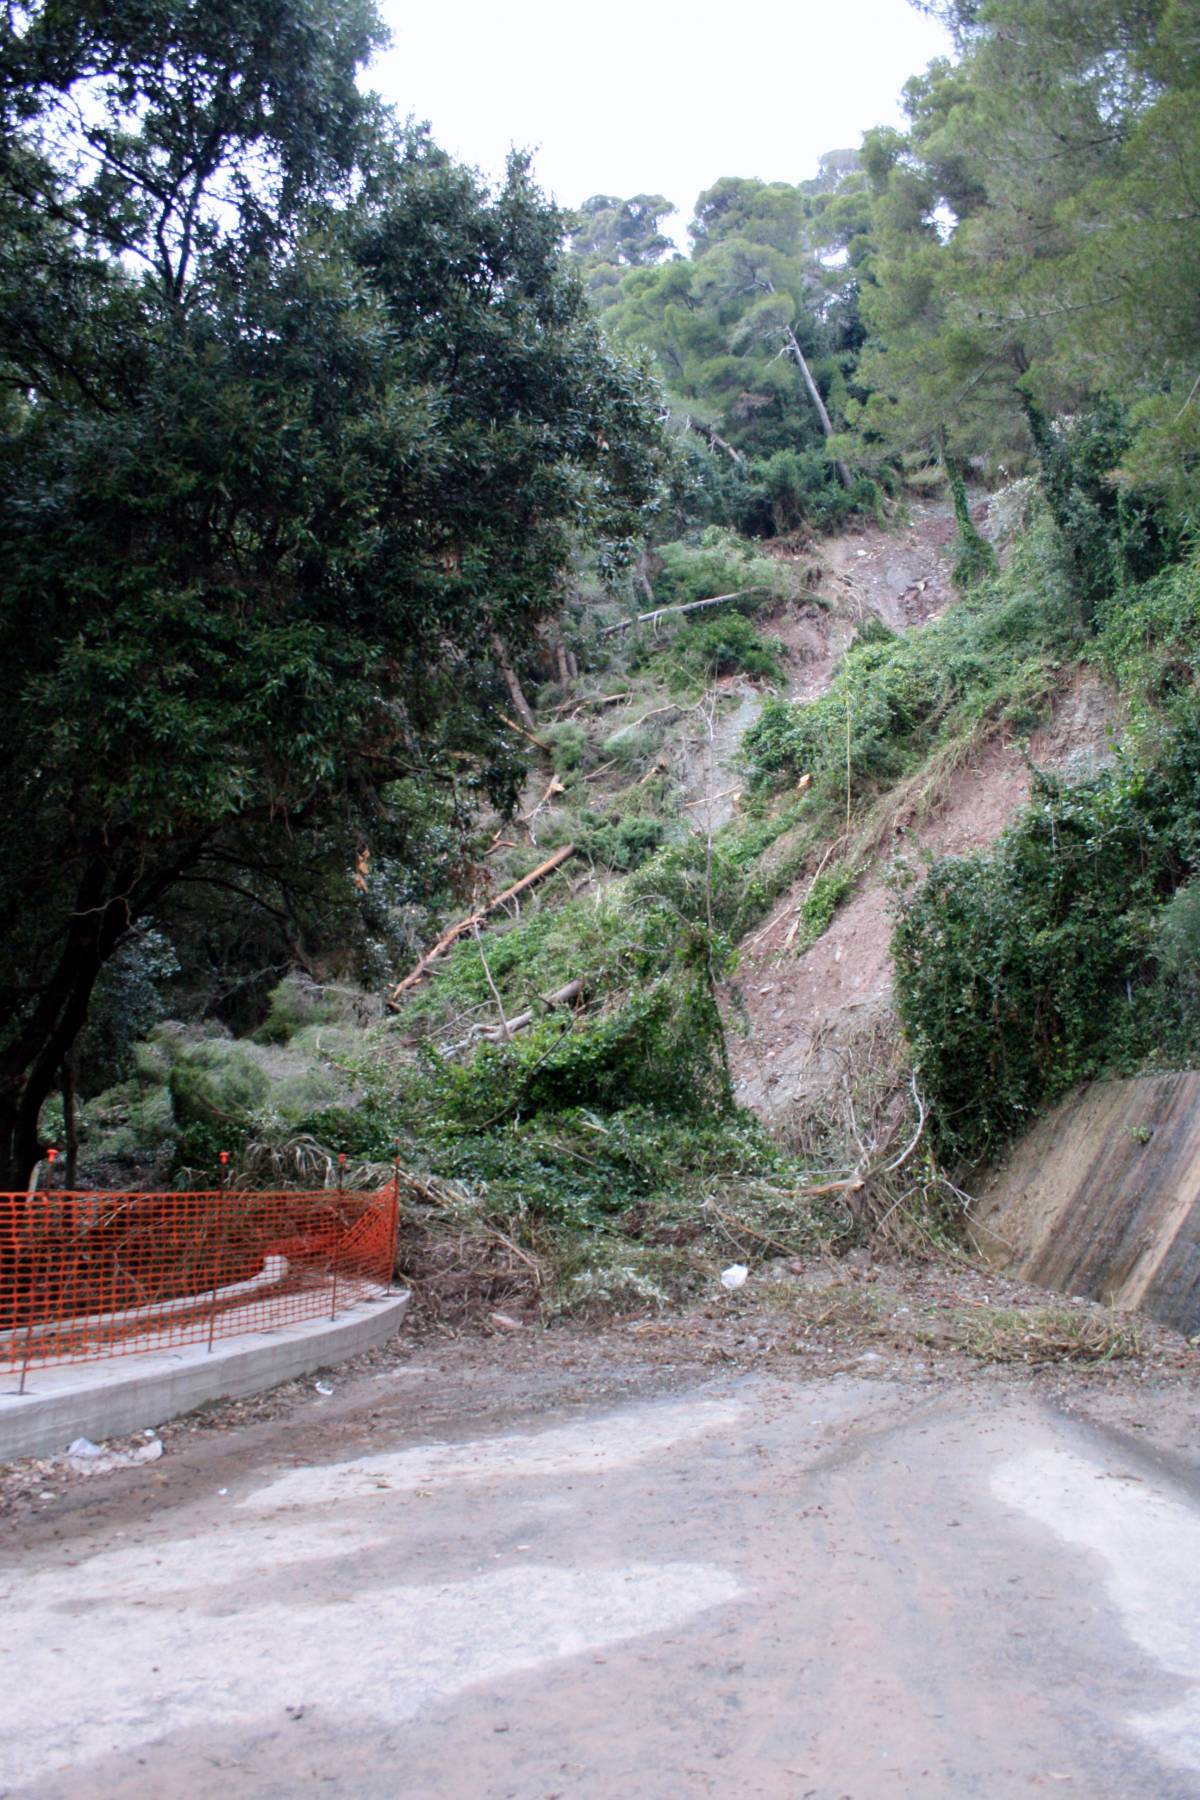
(798,1020)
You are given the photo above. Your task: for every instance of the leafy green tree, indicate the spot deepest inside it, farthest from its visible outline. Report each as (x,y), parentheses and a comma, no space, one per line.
(1034,257)
(753,336)
(297,419)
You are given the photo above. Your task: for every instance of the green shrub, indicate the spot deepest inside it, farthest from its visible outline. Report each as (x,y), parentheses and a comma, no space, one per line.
(630,746)
(622,843)
(659,1047)
(1026,969)
(721,563)
(725,644)
(1148,639)
(826,894)
(568,746)
(894,698)
(804,491)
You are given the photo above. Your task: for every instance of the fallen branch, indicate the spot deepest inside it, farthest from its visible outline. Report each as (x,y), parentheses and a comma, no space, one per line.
(597,700)
(714,441)
(555,787)
(492,988)
(523,732)
(711,799)
(465,925)
(661,612)
(560,997)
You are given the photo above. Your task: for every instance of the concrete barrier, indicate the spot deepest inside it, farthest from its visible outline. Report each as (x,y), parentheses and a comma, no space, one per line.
(130,1393)
(1102,1198)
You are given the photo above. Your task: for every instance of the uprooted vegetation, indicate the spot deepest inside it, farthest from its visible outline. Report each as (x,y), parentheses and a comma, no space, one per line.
(555,1080)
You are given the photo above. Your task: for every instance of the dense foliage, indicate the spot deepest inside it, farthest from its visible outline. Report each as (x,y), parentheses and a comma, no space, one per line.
(297,420)
(1070,951)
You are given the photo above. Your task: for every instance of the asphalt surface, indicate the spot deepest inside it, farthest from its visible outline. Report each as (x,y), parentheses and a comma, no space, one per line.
(755,1586)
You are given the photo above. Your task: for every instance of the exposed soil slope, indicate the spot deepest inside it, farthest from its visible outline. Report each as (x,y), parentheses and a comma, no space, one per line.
(797,1021)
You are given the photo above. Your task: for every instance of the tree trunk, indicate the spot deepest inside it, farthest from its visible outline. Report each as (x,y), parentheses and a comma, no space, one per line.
(814,394)
(687,606)
(70,1121)
(111,896)
(523,709)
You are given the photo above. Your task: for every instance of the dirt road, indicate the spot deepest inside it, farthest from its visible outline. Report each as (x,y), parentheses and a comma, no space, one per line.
(650,1580)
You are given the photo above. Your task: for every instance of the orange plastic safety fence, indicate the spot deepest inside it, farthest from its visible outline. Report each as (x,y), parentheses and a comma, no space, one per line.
(89,1275)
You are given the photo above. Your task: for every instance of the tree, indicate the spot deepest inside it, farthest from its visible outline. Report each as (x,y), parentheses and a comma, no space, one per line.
(1036,239)
(296,418)
(751,334)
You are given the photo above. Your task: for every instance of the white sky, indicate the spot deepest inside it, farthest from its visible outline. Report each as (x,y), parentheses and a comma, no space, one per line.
(638,96)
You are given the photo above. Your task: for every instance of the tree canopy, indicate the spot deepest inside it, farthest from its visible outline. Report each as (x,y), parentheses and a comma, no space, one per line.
(296,418)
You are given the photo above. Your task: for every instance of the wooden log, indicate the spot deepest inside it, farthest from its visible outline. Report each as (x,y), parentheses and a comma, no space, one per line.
(521,732)
(464,925)
(560,997)
(513,683)
(662,612)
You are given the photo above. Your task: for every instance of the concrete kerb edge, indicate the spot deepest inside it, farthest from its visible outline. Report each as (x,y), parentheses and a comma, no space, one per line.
(121,1395)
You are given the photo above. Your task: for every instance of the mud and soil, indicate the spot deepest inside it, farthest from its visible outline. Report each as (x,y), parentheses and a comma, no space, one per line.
(799,1022)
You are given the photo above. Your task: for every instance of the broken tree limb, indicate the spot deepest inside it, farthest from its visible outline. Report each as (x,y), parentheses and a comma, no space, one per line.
(492,988)
(555,787)
(714,440)
(711,799)
(560,997)
(522,732)
(662,612)
(597,700)
(463,926)
(512,682)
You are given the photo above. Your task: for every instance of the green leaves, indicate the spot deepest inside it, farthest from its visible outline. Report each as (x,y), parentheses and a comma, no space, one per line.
(302,417)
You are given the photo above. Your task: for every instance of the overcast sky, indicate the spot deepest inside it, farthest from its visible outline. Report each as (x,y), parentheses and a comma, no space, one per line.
(641,96)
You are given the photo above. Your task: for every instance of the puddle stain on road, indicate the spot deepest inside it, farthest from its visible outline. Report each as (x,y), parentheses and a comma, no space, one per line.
(1150,1544)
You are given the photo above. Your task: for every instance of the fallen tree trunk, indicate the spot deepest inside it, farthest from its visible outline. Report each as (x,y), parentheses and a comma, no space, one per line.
(814,394)
(688,606)
(522,732)
(714,441)
(560,997)
(464,925)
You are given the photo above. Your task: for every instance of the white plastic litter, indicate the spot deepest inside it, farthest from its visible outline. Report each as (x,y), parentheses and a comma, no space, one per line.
(733,1276)
(323,1387)
(86,1458)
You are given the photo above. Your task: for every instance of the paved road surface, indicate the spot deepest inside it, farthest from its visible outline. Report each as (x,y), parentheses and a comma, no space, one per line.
(756,1586)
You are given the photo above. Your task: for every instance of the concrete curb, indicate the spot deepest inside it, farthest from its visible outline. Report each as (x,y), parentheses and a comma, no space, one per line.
(122,1394)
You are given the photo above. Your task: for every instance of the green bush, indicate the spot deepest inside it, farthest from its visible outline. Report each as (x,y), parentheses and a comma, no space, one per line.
(1148,639)
(803,490)
(622,843)
(726,644)
(895,698)
(721,563)
(1026,969)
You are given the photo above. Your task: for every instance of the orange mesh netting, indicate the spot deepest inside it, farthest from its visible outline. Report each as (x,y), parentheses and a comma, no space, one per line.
(88,1275)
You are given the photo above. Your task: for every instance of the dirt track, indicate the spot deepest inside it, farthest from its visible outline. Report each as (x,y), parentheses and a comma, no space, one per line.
(616,1564)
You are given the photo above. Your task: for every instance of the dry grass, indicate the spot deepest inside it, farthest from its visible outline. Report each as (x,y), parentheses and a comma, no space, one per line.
(1044,1334)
